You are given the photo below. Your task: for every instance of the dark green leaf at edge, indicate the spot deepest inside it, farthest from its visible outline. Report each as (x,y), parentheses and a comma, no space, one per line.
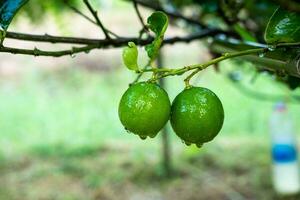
(8,9)
(283,27)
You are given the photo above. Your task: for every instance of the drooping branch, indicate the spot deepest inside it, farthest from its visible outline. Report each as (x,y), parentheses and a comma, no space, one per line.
(91,44)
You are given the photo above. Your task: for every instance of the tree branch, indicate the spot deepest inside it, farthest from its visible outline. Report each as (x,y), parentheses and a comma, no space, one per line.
(112,42)
(38,52)
(75,10)
(144,27)
(176,15)
(95,14)
(201,66)
(91,44)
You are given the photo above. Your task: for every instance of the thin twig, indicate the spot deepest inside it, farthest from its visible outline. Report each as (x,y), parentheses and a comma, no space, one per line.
(95,14)
(201,66)
(144,27)
(151,5)
(177,15)
(188,78)
(77,11)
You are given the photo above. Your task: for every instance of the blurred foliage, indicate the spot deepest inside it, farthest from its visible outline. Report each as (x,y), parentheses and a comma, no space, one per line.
(252,15)
(36,11)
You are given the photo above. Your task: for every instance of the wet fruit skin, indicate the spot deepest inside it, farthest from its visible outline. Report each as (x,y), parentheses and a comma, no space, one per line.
(144,109)
(197,115)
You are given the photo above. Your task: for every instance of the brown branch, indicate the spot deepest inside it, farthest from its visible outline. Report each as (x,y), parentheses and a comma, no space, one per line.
(105,42)
(39,52)
(95,15)
(91,44)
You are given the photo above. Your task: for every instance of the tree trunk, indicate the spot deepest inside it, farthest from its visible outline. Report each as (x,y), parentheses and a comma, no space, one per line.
(166,148)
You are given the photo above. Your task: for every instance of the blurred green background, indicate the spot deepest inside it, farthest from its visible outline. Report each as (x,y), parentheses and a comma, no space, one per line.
(60,136)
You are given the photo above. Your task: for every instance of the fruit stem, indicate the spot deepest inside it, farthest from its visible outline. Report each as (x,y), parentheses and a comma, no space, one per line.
(164,72)
(188,78)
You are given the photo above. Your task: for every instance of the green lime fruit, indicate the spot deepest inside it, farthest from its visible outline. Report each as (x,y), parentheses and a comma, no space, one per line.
(144,109)
(283,27)
(197,115)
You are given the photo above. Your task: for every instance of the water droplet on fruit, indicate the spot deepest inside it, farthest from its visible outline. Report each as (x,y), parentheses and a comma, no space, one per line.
(222,37)
(271,47)
(183,141)
(261,55)
(143,137)
(72,55)
(127,131)
(199,145)
(210,40)
(87,51)
(188,143)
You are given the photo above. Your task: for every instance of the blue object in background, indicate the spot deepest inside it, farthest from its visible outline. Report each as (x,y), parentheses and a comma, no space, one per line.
(283,153)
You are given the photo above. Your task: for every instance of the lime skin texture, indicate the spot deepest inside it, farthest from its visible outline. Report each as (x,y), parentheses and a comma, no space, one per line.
(144,109)
(197,115)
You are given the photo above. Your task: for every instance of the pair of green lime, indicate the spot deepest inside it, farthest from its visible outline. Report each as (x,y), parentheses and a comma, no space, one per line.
(196,114)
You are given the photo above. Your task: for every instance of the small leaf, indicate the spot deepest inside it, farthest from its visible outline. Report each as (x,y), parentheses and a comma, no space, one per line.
(158,23)
(130,56)
(8,9)
(245,35)
(283,27)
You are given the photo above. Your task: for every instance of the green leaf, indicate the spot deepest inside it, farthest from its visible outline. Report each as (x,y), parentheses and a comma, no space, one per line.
(130,56)
(158,23)
(245,35)
(8,9)
(283,27)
